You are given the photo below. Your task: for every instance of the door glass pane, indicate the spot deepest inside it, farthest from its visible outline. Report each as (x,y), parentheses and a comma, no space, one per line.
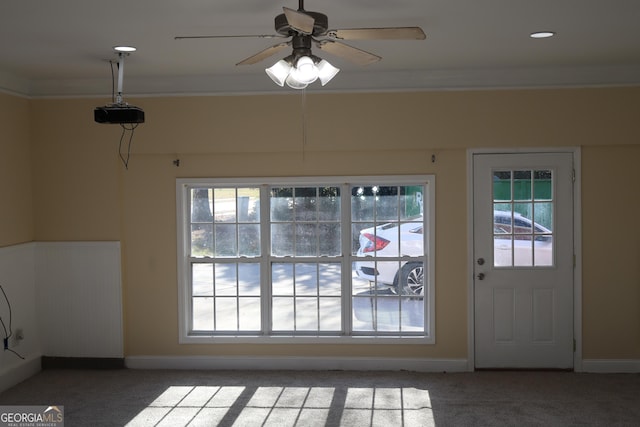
(522,251)
(501,185)
(543,214)
(502,250)
(522,220)
(543,251)
(542,185)
(522,185)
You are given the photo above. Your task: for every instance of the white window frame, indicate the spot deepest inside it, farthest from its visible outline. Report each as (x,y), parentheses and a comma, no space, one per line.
(183,264)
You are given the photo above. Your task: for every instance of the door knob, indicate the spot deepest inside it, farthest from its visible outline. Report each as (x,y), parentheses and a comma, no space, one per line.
(480,261)
(480,276)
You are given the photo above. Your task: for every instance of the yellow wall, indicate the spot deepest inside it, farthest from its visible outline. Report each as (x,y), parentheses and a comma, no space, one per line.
(76,186)
(16,209)
(611,250)
(82,192)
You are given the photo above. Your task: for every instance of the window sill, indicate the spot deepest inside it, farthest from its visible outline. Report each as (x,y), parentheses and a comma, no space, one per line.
(248,339)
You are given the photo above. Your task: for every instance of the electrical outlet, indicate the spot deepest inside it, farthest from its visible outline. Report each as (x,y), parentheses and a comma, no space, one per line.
(18,336)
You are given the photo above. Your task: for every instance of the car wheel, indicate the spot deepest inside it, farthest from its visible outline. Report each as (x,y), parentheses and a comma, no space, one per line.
(410,280)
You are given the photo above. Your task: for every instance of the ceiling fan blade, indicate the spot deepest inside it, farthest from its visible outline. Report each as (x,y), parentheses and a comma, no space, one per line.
(389,33)
(299,21)
(351,53)
(264,54)
(259,36)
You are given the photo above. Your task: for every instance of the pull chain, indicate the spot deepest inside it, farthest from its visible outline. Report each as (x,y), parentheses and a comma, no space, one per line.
(304,121)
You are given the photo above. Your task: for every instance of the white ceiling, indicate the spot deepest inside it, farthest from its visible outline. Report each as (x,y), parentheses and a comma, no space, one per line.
(63,48)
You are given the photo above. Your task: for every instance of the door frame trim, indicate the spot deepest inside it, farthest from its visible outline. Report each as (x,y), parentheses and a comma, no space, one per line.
(577,246)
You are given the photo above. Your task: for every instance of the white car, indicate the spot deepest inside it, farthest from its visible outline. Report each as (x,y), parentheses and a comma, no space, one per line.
(512,247)
(407,277)
(513,242)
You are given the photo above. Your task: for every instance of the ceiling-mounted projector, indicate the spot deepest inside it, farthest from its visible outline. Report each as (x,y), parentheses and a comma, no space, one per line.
(119,112)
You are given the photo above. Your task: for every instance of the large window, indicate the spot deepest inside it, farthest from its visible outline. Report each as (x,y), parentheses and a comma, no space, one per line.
(332,259)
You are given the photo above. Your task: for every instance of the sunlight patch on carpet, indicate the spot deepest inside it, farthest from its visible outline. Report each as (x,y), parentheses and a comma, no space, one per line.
(287,406)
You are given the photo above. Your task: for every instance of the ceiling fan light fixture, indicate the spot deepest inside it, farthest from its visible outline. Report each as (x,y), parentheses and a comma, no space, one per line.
(326,71)
(305,70)
(279,72)
(299,71)
(305,65)
(293,83)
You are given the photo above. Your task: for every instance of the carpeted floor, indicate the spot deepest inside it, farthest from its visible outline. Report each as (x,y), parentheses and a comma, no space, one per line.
(335,398)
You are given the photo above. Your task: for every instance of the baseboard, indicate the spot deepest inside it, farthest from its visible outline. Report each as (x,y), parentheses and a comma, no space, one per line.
(19,373)
(49,362)
(611,366)
(296,363)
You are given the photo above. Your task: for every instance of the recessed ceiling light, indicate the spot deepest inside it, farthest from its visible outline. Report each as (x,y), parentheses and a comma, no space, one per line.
(124,49)
(542,34)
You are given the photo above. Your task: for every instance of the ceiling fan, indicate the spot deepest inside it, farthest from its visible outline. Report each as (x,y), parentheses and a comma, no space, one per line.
(305,28)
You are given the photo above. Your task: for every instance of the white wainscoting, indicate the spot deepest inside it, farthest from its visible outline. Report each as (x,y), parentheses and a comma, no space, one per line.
(17,277)
(79,299)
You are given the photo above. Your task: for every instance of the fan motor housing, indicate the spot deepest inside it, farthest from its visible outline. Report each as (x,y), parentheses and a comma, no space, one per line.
(320,25)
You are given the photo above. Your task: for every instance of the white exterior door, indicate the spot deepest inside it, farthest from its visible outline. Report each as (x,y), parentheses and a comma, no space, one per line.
(523,260)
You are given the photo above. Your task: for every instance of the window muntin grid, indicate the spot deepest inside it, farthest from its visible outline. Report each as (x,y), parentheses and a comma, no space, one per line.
(320,303)
(523,218)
